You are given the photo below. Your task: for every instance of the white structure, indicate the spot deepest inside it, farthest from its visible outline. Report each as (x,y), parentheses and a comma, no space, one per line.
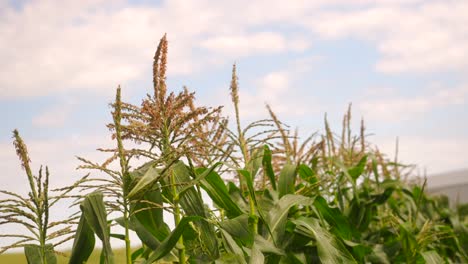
(452,184)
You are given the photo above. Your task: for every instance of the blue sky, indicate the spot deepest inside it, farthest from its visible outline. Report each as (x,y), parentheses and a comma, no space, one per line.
(403,65)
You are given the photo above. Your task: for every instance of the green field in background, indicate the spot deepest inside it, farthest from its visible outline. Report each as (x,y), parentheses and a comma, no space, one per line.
(19,258)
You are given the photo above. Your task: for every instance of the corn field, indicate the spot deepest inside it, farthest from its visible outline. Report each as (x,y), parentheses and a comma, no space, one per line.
(276,198)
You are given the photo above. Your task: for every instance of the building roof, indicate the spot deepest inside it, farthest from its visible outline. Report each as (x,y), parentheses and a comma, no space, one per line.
(447,179)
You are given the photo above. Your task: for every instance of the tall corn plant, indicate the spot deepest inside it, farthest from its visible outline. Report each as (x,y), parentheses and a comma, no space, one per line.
(171,126)
(33,213)
(167,127)
(245,151)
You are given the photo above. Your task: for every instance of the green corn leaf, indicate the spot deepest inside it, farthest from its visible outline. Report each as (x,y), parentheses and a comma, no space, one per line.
(307,174)
(255,162)
(383,197)
(250,183)
(199,177)
(330,249)
(334,217)
(267,167)
(378,255)
(137,253)
(218,192)
(149,213)
(294,258)
(237,196)
(239,228)
(230,258)
(94,210)
(360,251)
(361,214)
(375,170)
(143,234)
(146,236)
(118,236)
(169,243)
(287,180)
(266,246)
(431,257)
(34,255)
(357,170)
(276,218)
(232,247)
(256,256)
(151,175)
(83,245)
(192,203)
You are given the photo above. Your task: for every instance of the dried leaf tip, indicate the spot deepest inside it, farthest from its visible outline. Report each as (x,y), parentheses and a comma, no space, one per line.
(234,86)
(21,150)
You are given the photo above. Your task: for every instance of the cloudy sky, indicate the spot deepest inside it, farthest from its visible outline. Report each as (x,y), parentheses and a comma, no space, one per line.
(402,63)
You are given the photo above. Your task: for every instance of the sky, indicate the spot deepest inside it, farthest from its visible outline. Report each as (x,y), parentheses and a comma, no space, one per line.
(403,64)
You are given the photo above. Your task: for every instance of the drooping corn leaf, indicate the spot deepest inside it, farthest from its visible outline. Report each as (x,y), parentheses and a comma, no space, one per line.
(334,217)
(150,176)
(95,213)
(256,256)
(149,213)
(232,247)
(192,203)
(84,242)
(169,243)
(236,195)
(239,228)
(266,246)
(143,234)
(198,178)
(216,189)
(330,249)
(277,216)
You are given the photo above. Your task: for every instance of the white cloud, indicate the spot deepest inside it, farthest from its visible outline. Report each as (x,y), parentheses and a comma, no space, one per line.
(52,47)
(253,44)
(400,108)
(49,47)
(415,38)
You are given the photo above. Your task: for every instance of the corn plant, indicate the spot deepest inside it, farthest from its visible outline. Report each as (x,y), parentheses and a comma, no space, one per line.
(33,213)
